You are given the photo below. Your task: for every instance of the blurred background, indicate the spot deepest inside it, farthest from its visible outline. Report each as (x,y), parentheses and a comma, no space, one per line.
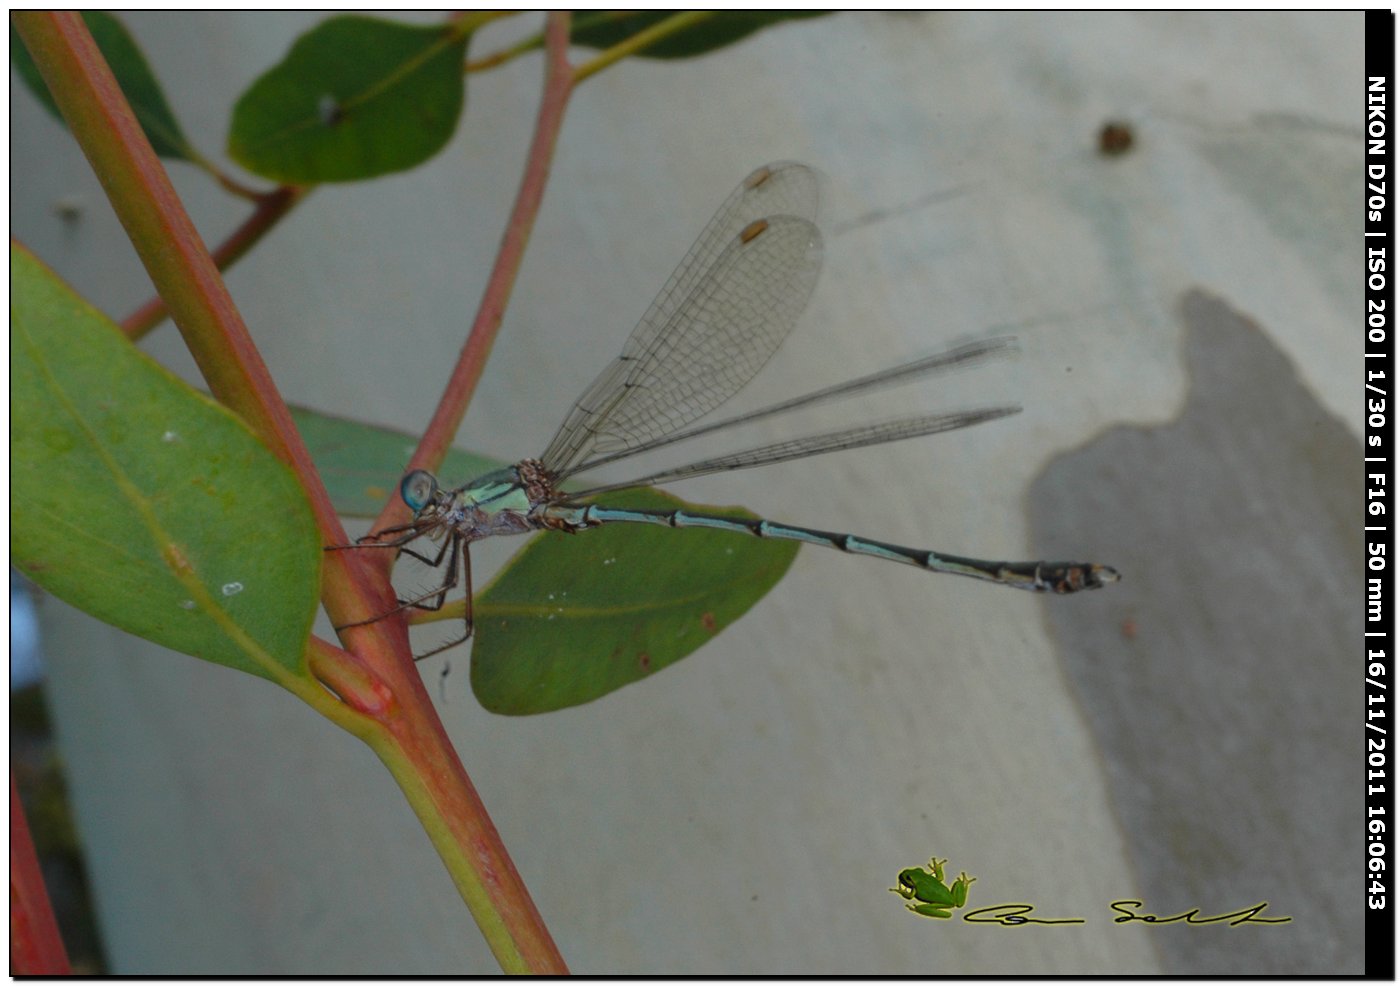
(1160,205)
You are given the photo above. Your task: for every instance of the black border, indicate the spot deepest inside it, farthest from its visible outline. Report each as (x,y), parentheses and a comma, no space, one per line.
(1378,381)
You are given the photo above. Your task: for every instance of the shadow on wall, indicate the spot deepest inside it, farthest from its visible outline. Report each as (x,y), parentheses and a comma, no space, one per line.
(1218,677)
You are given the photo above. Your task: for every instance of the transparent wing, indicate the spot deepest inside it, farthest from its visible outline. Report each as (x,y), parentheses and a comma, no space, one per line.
(719,319)
(801,448)
(960,358)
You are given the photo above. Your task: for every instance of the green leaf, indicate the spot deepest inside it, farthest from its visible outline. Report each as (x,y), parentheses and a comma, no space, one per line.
(595,29)
(134,75)
(362,464)
(355,98)
(143,502)
(572,618)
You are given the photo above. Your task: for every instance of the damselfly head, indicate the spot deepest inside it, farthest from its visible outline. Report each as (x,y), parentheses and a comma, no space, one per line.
(418,489)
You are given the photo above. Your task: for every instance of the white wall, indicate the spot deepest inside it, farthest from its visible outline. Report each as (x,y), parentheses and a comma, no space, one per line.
(744,811)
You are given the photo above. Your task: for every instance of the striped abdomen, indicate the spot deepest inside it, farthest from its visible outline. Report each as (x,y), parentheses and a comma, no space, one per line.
(1037,576)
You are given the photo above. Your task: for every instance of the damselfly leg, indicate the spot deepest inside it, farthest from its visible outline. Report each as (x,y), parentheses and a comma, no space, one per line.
(453,548)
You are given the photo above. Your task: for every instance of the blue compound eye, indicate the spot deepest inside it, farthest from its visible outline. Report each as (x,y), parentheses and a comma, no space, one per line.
(418,489)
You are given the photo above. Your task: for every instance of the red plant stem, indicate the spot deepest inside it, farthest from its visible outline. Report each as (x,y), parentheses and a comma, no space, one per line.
(423,762)
(394,714)
(469,827)
(36,948)
(471,362)
(271,208)
(183,272)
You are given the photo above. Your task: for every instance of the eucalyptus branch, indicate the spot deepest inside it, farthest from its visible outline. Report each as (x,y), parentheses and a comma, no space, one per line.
(374,691)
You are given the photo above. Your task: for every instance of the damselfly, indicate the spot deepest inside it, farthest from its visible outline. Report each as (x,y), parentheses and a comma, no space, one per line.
(721,316)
